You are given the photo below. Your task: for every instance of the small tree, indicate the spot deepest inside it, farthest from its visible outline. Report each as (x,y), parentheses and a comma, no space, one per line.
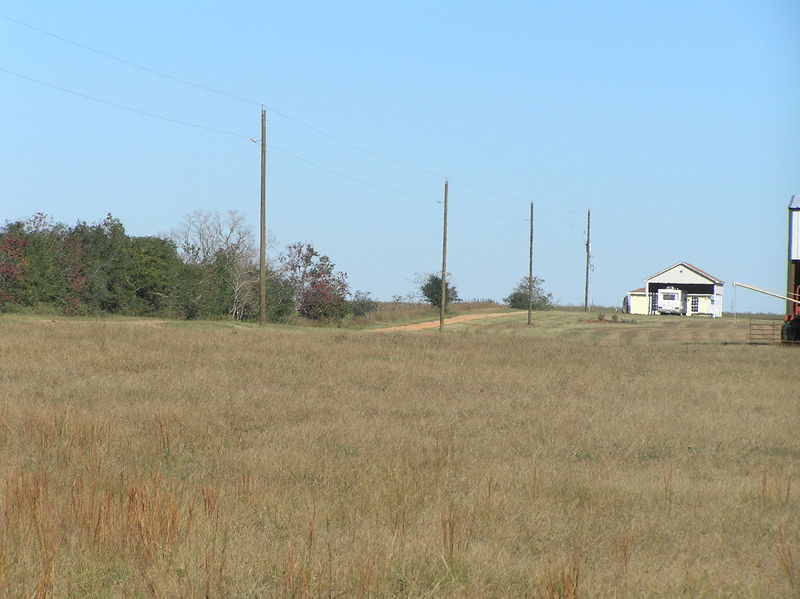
(325,299)
(223,247)
(320,292)
(12,264)
(431,289)
(519,296)
(362,304)
(280,301)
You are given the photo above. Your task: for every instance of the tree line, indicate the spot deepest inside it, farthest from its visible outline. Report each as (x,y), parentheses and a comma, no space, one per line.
(205,268)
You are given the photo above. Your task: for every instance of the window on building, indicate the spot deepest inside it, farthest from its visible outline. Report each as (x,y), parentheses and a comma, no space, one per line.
(695,304)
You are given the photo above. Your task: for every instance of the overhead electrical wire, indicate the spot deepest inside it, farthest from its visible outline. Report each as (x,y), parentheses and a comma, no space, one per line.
(272,110)
(245,136)
(346,176)
(215,130)
(122,106)
(221,93)
(488,214)
(128,62)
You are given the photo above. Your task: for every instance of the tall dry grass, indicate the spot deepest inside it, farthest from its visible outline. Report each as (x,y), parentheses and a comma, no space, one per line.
(156,461)
(406,312)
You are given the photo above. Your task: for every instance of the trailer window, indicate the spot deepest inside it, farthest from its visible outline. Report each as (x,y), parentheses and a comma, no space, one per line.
(670,297)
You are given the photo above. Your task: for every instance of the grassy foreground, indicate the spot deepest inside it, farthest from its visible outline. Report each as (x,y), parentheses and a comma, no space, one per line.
(576,459)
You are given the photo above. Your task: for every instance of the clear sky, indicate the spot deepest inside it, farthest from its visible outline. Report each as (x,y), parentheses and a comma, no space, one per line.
(677,123)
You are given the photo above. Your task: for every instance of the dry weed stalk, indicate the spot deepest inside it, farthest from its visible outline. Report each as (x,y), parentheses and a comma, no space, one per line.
(666,478)
(451,529)
(296,583)
(29,508)
(774,493)
(786,559)
(153,522)
(561,581)
(164,439)
(5,562)
(627,552)
(489,496)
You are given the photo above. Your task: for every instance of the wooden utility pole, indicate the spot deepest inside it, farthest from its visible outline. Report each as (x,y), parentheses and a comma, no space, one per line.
(530,272)
(588,259)
(443,298)
(262,260)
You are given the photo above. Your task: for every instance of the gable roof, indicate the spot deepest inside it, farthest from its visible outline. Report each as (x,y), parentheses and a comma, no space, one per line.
(794,204)
(691,267)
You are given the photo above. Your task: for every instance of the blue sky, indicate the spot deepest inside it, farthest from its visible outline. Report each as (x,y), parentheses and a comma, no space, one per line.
(676,123)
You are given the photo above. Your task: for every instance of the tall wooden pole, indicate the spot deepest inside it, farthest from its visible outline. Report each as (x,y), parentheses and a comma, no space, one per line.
(262,260)
(530,272)
(588,259)
(443,297)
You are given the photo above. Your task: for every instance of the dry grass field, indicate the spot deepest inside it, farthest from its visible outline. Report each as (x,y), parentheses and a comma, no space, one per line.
(576,458)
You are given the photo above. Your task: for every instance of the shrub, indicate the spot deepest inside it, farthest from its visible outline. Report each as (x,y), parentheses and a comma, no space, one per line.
(324,299)
(362,304)
(519,296)
(431,289)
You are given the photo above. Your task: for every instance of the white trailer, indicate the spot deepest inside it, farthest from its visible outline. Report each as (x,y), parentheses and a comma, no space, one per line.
(671,301)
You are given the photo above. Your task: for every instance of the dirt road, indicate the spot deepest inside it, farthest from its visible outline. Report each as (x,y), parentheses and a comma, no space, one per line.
(420,326)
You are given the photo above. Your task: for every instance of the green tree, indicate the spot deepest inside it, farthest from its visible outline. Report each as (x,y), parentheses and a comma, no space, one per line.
(280,298)
(519,296)
(223,249)
(362,304)
(46,280)
(107,261)
(153,273)
(431,289)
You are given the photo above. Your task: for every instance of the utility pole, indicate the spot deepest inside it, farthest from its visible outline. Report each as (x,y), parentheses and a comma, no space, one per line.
(588,259)
(443,298)
(530,272)
(262,260)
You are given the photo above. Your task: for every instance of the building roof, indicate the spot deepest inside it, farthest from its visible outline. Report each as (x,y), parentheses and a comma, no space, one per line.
(794,204)
(699,271)
(640,290)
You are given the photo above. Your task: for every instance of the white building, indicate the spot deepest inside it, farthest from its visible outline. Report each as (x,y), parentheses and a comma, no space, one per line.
(703,292)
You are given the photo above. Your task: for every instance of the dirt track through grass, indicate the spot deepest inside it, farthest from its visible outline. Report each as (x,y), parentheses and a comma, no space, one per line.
(656,458)
(421,326)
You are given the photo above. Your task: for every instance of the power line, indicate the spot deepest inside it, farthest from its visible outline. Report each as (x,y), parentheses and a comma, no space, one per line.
(513,197)
(356,179)
(272,147)
(273,110)
(355,147)
(123,107)
(242,135)
(215,130)
(488,214)
(129,62)
(221,93)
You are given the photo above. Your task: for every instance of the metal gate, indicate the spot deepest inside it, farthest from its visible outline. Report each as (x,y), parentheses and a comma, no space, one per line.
(763,331)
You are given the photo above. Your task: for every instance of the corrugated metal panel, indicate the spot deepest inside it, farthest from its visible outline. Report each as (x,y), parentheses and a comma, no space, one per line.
(794,235)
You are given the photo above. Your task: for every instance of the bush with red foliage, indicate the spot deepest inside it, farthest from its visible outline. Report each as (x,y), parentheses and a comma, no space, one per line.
(12,265)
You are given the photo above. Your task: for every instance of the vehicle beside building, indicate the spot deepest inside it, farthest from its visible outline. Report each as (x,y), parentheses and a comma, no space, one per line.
(682,289)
